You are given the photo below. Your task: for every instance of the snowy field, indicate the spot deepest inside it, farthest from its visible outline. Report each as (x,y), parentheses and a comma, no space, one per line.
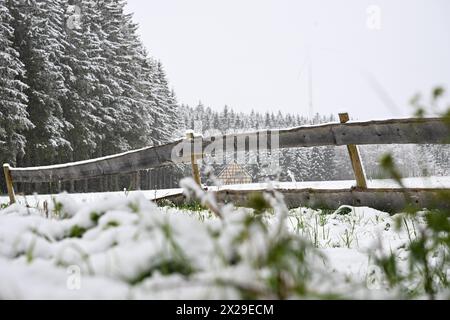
(121,246)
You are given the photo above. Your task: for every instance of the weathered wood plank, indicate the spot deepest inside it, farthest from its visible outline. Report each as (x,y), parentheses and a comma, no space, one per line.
(123,163)
(389,200)
(355,158)
(194,163)
(9,183)
(395,131)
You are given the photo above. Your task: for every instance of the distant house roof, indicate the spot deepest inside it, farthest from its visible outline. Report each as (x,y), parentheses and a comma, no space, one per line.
(234,174)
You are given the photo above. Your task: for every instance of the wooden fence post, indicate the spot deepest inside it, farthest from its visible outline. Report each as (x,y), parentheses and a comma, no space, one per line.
(195,170)
(9,183)
(355,158)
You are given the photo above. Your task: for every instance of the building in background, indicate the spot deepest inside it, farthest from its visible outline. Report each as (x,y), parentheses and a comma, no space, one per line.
(234,174)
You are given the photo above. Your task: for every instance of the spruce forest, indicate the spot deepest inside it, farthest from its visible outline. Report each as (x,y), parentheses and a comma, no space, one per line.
(316,163)
(77,86)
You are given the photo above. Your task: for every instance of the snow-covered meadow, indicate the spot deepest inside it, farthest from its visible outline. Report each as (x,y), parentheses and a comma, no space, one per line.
(122,246)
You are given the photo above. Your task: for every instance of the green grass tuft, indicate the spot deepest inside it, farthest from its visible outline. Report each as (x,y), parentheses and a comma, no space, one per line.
(77,232)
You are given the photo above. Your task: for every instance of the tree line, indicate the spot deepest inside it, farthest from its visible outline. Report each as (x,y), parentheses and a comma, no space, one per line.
(316,163)
(76,82)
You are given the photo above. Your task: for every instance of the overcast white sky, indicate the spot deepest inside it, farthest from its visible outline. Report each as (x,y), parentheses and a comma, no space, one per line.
(255,53)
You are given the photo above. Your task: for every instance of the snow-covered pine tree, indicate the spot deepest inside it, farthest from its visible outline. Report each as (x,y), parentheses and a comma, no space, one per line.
(86,105)
(280,120)
(199,115)
(127,123)
(216,122)
(207,120)
(92,88)
(267,121)
(231,121)
(225,120)
(317,168)
(13,114)
(40,40)
(165,112)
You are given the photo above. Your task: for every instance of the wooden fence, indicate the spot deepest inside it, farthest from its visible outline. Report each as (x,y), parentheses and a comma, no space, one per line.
(351,134)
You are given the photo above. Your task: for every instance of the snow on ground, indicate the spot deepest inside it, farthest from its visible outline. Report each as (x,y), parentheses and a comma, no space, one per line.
(423,182)
(124,247)
(119,245)
(428,182)
(38,200)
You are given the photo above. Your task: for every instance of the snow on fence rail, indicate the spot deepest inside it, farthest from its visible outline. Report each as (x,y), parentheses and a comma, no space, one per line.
(394,131)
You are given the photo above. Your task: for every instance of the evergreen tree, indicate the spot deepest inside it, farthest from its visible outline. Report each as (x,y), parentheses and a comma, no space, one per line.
(165,112)
(267,122)
(39,36)
(13,100)
(86,105)
(126,66)
(78,71)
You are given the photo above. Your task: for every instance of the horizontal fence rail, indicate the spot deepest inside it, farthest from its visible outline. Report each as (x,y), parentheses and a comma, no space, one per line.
(385,199)
(128,162)
(396,131)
